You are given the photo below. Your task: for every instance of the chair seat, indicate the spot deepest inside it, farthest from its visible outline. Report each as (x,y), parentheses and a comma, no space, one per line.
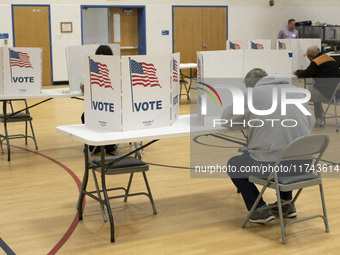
(289,183)
(126,165)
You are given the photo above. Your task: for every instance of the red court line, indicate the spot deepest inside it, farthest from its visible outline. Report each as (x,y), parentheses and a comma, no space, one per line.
(75,222)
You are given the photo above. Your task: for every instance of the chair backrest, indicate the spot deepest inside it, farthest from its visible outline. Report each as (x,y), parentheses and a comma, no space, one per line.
(306,146)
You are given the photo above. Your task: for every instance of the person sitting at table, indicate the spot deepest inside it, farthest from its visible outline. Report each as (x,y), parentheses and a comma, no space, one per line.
(325,71)
(101,50)
(266,142)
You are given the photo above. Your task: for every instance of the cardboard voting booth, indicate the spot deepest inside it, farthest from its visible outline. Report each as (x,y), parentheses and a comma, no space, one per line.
(146,90)
(259,44)
(102,92)
(131,92)
(298,47)
(21,71)
(75,57)
(236,44)
(222,73)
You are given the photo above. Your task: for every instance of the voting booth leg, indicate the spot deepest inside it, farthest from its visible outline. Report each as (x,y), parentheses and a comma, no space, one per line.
(106,197)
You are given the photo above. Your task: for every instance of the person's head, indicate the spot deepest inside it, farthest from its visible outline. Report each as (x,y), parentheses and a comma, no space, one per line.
(312,52)
(291,24)
(253,76)
(104,50)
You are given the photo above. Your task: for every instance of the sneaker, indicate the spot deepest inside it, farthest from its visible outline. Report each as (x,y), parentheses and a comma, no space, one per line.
(291,214)
(262,215)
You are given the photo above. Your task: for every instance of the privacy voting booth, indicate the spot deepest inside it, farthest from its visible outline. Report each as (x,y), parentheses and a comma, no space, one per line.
(219,71)
(298,47)
(20,71)
(131,92)
(256,44)
(75,57)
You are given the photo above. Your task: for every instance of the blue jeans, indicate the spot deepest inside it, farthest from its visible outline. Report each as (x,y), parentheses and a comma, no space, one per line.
(248,189)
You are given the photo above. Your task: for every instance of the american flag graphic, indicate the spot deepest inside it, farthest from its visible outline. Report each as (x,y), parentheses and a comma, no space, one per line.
(256,46)
(143,74)
(20,59)
(100,74)
(174,70)
(282,46)
(234,46)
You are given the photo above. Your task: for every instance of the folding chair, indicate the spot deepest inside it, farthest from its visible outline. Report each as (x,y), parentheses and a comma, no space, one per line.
(114,165)
(307,146)
(333,101)
(22,116)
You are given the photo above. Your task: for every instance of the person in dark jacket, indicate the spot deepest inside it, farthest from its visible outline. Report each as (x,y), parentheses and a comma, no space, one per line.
(325,72)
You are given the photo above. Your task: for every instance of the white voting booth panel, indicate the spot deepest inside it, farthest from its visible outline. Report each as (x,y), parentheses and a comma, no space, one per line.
(21,71)
(214,87)
(259,44)
(102,92)
(75,57)
(272,61)
(131,92)
(236,44)
(298,47)
(146,88)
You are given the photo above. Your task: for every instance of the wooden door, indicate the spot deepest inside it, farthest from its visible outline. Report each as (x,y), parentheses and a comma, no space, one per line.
(198,29)
(214,28)
(32,29)
(128,29)
(188,32)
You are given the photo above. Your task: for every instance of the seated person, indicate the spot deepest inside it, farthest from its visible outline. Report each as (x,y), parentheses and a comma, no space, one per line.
(102,50)
(326,74)
(266,142)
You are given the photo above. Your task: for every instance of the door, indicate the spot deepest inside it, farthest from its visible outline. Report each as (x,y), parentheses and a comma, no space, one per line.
(32,29)
(199,29)
(214,28)
(124,29)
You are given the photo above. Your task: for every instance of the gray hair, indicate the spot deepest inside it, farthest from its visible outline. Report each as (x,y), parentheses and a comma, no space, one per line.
(253,76)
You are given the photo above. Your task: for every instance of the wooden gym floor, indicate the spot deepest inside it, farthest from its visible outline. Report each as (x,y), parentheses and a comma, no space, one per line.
(39,191)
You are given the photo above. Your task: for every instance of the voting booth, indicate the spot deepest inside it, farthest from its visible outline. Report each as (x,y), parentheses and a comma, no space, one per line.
(222,72)
(259,44)
(236,44)
(298,47)
(75,57)
(21,71)
(131,92)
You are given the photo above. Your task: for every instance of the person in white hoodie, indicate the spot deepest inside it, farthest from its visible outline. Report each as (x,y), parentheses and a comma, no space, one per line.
(267,136)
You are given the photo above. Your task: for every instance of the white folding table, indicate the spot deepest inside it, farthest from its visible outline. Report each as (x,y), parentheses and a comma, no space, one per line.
(46,95)
(99,137)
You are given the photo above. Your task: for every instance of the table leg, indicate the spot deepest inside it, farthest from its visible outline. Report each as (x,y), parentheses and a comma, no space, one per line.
(106,197)
(83,184)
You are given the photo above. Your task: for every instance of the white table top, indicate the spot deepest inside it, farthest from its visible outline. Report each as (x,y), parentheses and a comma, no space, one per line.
(45,93)
(187,65)
(96,137)
(184,126)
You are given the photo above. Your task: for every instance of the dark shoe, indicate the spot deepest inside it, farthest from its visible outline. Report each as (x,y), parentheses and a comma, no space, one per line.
(291,214)
(262,215)
(319,122)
